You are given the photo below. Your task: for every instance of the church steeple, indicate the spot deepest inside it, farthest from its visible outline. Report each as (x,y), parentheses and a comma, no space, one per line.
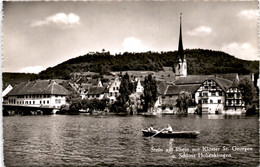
(180,48)
(180,66)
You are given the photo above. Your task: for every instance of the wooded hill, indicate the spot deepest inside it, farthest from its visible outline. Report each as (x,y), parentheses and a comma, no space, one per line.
(199,62)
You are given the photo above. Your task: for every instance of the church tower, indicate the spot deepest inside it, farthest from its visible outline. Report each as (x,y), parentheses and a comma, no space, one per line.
(180,65)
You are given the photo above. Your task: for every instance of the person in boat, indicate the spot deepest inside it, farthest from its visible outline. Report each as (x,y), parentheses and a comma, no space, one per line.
(150,129)
(168,129)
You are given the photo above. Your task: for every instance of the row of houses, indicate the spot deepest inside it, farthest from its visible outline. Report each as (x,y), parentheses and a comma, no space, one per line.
(212,92)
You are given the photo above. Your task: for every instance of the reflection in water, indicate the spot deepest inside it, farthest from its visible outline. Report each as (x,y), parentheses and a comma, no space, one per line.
(59,140)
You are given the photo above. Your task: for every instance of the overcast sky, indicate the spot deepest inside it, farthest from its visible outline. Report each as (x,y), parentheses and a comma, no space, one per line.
(38,35)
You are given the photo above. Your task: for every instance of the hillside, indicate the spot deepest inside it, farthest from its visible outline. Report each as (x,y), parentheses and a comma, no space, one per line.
(199,62)
(16,78)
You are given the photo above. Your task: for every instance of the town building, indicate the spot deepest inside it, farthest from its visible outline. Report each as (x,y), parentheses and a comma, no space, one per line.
(5,92)
(96,92)
(113,89)
(234,98)
(39,93)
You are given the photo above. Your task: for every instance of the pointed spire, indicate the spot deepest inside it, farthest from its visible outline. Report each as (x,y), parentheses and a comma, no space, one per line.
(180,48)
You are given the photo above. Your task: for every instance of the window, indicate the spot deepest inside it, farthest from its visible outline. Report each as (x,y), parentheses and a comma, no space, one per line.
(40,102)
(213,93)
(43,102)
(114,88)
(211,101)
(57,101)
(110,93)
(220,93)
(219,101)
(47,101)
(33,102)
(205,94)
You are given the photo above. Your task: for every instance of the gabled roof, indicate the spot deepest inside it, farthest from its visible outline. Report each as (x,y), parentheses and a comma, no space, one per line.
(223,83)
(234,84)
(192,79)
(96,90)
(177,89)
(230,76)
(245,77)
(39,87)
(93,81)
(161,88)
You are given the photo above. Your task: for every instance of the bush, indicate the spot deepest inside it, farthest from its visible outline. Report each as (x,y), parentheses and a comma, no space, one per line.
(251,110)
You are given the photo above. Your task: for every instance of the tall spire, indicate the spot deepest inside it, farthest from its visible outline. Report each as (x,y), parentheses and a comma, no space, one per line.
(180,48)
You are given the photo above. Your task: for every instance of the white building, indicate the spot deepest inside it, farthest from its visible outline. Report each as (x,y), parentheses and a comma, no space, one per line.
(211,95)
(113,91)
(139,87)
(39,93)
(5,92)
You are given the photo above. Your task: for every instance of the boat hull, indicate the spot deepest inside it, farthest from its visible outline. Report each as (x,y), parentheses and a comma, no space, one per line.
(181,134)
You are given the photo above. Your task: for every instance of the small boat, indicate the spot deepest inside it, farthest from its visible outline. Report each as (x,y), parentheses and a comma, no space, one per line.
(180,134)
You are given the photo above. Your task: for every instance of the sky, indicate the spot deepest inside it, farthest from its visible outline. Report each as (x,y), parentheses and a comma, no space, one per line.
(38,35)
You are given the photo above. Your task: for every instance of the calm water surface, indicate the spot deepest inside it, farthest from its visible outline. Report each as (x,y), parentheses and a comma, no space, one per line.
(62,140)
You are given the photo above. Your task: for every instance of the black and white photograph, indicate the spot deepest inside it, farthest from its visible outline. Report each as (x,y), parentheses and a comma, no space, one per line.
(130,83)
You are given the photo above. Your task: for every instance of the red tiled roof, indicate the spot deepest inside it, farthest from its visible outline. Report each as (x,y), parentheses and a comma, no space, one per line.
(39,87)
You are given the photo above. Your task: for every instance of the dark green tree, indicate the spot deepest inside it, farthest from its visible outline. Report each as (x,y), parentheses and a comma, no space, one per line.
(184,101)
(126,88)
(248,91)
(150,92)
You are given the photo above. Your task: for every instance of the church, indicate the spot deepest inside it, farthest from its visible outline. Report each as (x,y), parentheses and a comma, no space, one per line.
(218,93)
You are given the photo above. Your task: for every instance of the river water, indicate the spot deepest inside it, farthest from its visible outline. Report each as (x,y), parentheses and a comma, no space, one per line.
(80,140)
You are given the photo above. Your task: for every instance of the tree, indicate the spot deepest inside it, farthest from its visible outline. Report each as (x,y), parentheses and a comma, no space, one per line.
(150,92)
(184,101)
(125,90)
(247,89)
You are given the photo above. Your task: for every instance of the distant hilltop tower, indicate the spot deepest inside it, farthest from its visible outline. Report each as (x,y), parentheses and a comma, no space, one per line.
(180,65)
